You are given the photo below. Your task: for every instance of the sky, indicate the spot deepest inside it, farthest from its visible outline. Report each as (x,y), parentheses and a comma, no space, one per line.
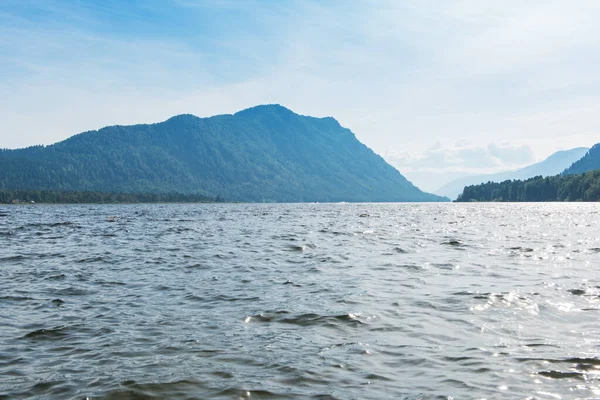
(448,87)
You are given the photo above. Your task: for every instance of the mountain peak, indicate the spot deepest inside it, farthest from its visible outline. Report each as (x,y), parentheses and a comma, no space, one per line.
(183,117)
(281,111)
(266,109)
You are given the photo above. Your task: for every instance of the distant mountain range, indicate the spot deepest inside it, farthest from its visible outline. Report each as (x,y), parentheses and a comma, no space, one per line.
(553,165)
(264,153)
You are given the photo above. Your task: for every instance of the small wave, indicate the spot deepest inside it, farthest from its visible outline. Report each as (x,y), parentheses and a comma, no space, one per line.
(295,248)
(584,363)
(178,230)
(72,291)
(411,267)
(130,389)
(220,298)
(541,345)
(574,364)
(509,300)
(307,319)
(164,288)
(57,332)
(193,297)
(197,266)
(588,292)
(348,347)
(523,249)
(15,298)
(242,394)
(445,266)
(455,243)
(67,223)
(336,233)
(562,375)
(221,256)
(57,277)
(470,293)
(299,248)
(91,260)
(377,377)
(52,224)
(452,243)
(58,302)
(17,257)
(110,283)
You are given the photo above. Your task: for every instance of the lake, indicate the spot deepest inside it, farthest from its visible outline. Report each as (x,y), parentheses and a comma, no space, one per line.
(300,301)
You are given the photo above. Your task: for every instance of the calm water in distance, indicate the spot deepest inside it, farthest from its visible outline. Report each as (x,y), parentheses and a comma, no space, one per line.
(300,301)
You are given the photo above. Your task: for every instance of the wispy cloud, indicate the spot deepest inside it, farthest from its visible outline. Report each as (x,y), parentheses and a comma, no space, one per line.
(463,157)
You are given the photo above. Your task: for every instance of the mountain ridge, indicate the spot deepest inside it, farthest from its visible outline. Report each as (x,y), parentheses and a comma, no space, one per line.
(263,153)
(589,162)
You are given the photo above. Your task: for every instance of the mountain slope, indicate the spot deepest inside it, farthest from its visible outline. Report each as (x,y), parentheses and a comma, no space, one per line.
(265,153)
(589,162)
(552,165)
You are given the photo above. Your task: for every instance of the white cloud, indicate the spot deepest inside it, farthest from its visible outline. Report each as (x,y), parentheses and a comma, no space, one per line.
(463,157)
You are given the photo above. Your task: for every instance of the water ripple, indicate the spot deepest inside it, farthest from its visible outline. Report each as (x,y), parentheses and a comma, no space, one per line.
(299,301)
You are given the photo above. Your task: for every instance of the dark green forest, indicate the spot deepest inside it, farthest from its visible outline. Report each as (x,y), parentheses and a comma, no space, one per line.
(55,197)
(580,187)
(265,153)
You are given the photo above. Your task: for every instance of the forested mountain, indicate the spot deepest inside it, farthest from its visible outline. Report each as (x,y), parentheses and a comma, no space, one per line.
(581,187)
(554,164)
(264,153)
(589,162)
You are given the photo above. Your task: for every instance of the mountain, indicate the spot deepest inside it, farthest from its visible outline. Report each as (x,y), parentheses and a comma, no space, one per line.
(552,165)
(578,187)
(264,153)
(589,162)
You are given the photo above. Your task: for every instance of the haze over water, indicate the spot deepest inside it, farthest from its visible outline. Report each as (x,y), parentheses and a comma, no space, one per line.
(339,301)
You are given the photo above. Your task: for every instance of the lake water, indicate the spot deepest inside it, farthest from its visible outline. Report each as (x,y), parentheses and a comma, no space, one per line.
(295,301)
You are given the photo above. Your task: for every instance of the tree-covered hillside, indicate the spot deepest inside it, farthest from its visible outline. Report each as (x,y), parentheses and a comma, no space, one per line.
(589,162)
(265,153)
(582,187)
(553,165)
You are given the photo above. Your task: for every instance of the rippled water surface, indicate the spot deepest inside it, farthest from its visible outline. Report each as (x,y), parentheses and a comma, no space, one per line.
(286,301)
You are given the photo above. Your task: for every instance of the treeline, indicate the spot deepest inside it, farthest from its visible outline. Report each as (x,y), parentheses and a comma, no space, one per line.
(56,197)
(583,187)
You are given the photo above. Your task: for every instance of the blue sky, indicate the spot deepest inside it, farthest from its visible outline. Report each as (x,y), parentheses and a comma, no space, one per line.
(489,85)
